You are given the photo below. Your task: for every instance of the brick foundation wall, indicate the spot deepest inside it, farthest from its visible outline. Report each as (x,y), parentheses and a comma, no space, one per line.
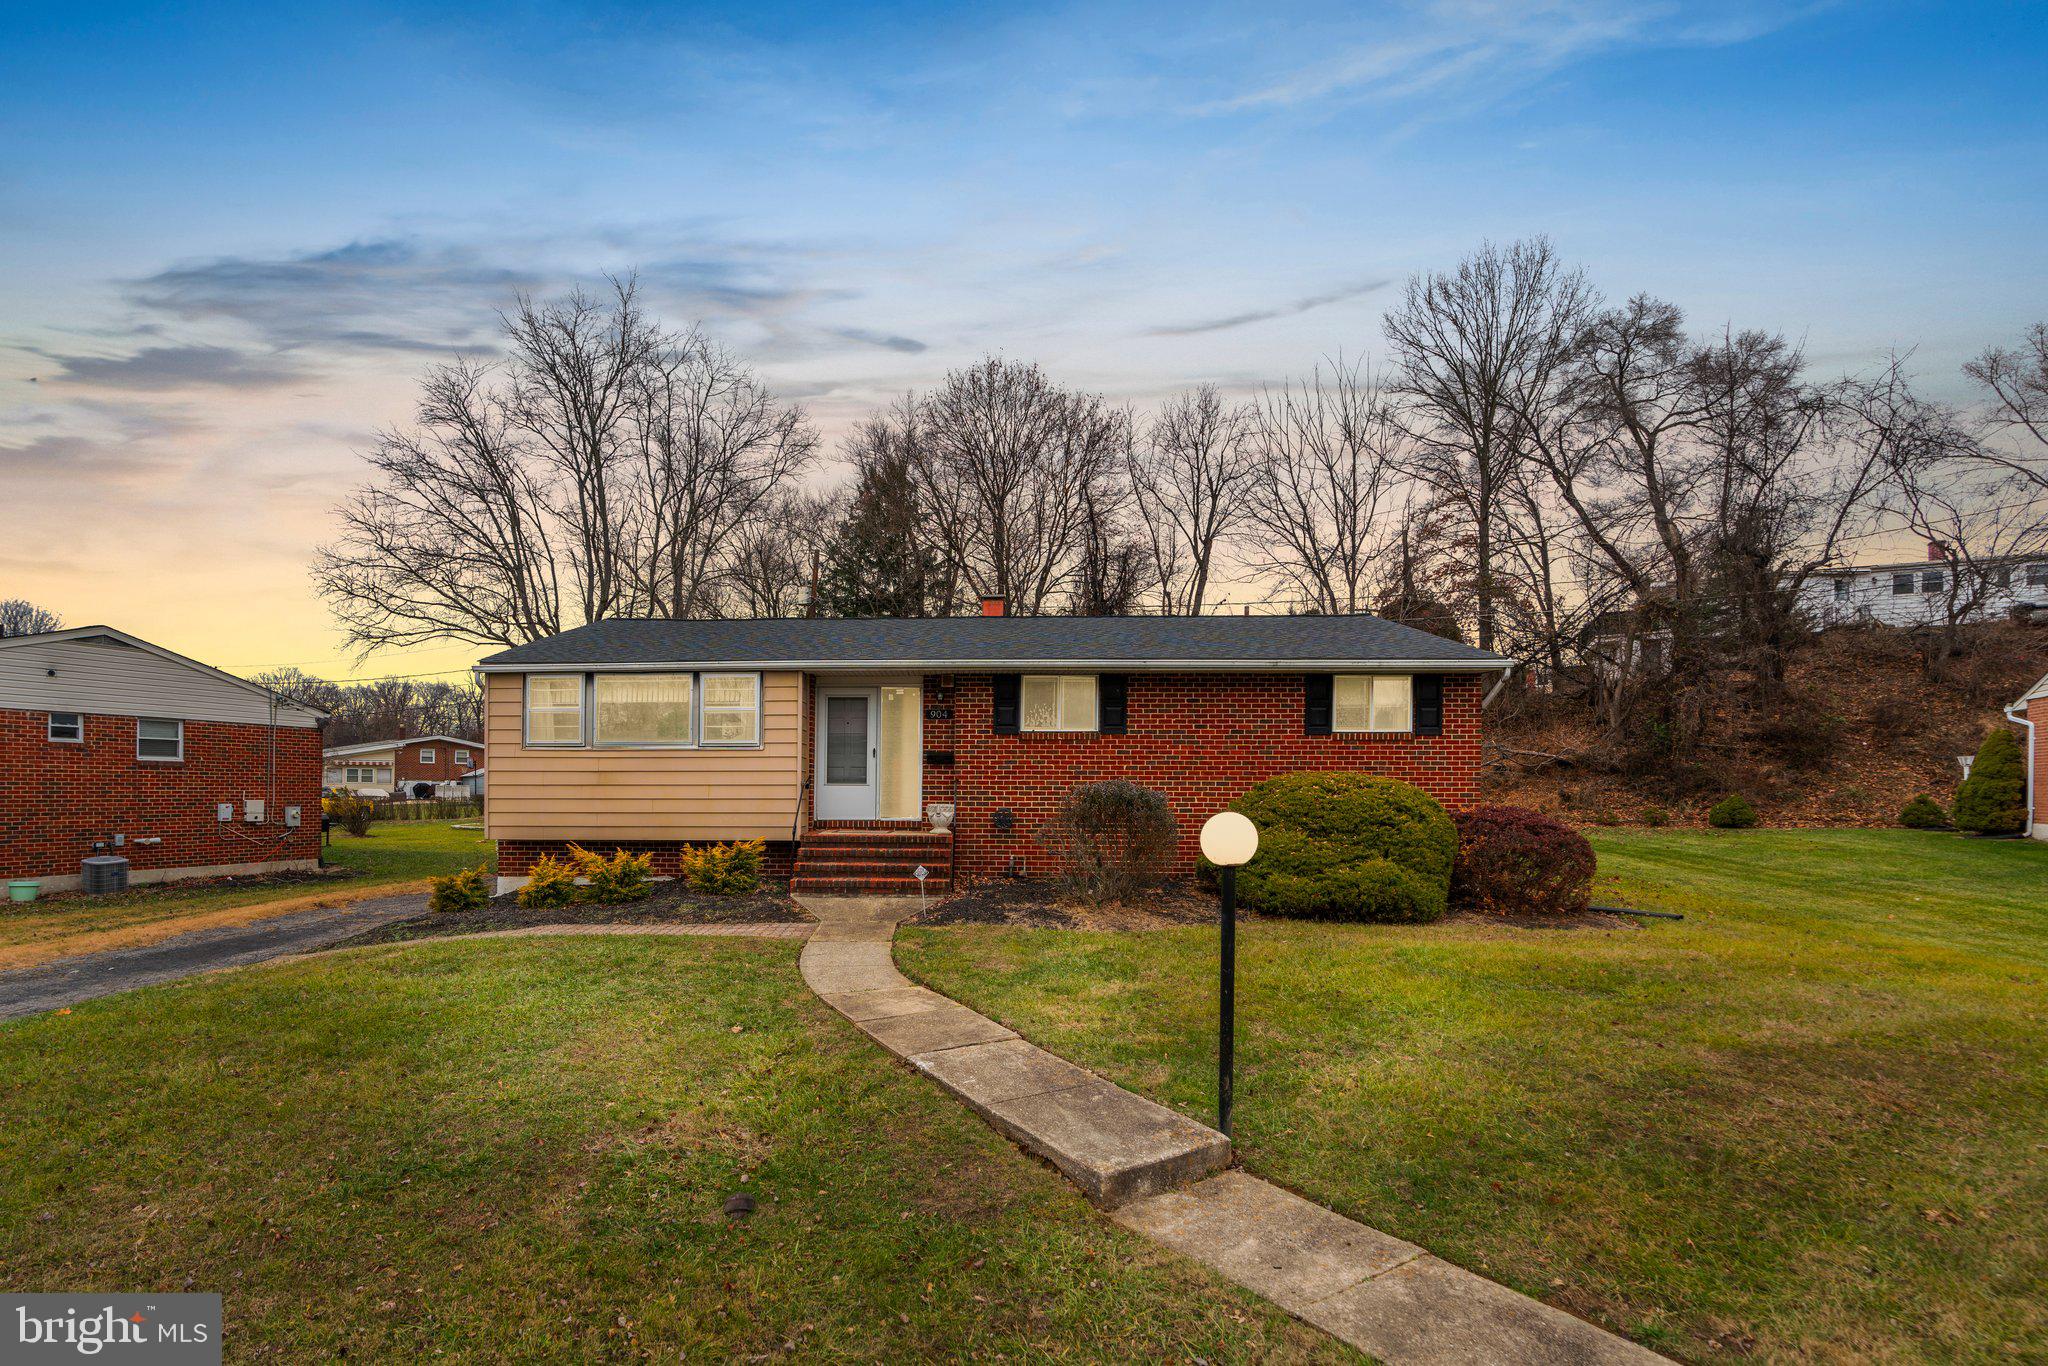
(1201,739)
(58,798)
(517,857)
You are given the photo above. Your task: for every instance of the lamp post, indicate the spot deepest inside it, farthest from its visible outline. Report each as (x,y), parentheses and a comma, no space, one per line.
(1228,839)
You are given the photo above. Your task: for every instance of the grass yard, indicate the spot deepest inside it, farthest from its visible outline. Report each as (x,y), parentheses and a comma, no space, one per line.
(519,1150)
(394,852)
(1810,1122)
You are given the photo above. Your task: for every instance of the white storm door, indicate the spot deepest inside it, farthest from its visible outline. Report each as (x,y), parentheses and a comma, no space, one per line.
(848,754)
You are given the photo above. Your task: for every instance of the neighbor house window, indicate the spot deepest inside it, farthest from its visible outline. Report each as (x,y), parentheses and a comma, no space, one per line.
(1904,583)
(1057,702)
(67,725)
(1842,587)
(644,709)
(732,709)
(462,758)
(1372,702)
(363,775)
(1930,582)
(161,740)
(554,709)
(2037,576)
(2001,577)
(426,756)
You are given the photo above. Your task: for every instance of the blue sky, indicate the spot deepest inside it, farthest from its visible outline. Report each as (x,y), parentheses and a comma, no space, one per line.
(234,234)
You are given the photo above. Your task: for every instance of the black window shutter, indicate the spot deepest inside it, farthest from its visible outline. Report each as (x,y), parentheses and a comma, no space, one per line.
(1315,711)
(1113,703)
(1008,691)
(1429,704)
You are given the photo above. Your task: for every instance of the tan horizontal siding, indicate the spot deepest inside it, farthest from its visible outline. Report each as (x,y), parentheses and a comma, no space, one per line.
(642,794)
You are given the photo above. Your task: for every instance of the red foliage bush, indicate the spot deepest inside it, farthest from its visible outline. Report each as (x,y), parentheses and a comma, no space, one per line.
(1514,861)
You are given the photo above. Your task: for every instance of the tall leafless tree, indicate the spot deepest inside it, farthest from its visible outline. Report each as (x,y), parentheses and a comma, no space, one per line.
(2016,384)
(20,617)
(1328,451)
(1190,478)
(1019,472)
(1464,342)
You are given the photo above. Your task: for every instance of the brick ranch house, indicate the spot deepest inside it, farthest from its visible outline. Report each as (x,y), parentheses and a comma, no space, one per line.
(860,749)
(109,744)
(393,766)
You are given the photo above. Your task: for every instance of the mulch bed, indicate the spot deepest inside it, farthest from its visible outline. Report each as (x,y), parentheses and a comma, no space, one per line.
(670,903)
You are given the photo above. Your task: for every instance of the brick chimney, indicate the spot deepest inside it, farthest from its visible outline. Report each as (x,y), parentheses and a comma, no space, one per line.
(995,607)
(1936,551)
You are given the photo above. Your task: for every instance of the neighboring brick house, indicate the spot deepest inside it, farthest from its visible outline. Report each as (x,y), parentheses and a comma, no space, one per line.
(112,745)
(850,745)
(394,766)
(2031,713)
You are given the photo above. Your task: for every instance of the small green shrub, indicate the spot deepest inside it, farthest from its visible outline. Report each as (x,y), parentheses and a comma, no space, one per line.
(551,884)
(1993,799)
(350,812)
(464,890)
(608,882)
(1654,816)
(1923,813)
(1113,837)
(1513,861)
(1732,812)
(724,869)
(1346,846)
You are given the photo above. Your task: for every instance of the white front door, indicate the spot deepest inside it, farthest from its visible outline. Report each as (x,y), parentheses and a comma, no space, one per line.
(848,754)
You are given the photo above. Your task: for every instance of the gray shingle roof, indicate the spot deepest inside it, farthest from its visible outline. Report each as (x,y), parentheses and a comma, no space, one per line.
(1001,642)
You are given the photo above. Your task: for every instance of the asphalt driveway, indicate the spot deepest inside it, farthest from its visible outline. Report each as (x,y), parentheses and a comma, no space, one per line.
(67,981)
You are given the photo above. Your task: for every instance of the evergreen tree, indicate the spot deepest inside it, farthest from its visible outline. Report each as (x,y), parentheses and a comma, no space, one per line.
(1993,800)
(879,563)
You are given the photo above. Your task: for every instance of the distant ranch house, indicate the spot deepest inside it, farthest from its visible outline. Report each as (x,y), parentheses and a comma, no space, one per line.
(1919,592)
(385,768)
(113,747)
(862,751)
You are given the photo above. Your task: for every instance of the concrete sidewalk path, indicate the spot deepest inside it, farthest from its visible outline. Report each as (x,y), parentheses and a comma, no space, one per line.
(1162,1174)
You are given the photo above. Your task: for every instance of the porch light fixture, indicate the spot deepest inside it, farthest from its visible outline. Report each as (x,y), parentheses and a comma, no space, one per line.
(1228,839)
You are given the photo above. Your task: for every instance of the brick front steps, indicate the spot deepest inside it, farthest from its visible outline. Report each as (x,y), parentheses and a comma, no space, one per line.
(872,861)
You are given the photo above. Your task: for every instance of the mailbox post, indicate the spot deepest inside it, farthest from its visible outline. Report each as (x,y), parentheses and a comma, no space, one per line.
(1228,840)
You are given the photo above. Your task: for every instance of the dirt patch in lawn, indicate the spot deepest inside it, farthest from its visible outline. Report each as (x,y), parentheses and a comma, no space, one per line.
(670,903)
(1044,904)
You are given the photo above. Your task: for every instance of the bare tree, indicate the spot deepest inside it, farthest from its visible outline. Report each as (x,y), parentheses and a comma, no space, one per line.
(1328,452)
(884,555)
(1464,344)
(2016,383)
(1189,480)
(776,560)
(20,617)
(1017,470)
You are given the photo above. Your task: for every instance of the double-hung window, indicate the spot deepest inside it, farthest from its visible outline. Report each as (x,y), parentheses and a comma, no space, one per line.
(161,741)
(67,727)
(462,758)
(426,756)
(732,709)
(1057,702)
(1904,583)
(1842,588)
(1381,703)
(1930,581)
(554,709)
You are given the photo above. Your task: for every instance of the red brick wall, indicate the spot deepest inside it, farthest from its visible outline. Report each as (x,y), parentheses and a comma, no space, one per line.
(57,798)
(517,857)
(1201,739)
(2037,712)
(444,769)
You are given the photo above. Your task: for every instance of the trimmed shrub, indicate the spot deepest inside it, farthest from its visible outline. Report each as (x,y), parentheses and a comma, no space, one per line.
(551,884)
(1993,799)
(1732,812)
(1347,846)
(1514,861)
(1115,838)
(350,812)
(466,890)
(1654,816)
(623,877)
(1923,813)
(724,869)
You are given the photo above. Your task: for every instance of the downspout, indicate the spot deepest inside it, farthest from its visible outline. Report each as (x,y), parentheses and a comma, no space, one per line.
(2022,721)
(1502,682)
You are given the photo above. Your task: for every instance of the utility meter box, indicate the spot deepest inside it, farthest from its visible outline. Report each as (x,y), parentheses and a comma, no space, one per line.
(252,810)
(291,817)
(225,811)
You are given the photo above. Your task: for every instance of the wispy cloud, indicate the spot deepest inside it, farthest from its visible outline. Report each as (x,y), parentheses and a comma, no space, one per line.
(177,367)
(1260,315)
(887,341)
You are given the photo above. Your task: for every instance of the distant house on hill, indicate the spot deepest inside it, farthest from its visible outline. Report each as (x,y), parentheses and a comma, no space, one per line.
(1920,592)
(379,768)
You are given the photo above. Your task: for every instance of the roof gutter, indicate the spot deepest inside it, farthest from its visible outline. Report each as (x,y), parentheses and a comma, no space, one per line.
(1435,666)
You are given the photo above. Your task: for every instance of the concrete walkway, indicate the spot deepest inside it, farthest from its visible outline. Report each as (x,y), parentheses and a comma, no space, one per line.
(1162,1174)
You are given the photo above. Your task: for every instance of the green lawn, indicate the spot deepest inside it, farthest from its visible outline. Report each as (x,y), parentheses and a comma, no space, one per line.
(1809,1122)
(519,1149)
(393,852)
